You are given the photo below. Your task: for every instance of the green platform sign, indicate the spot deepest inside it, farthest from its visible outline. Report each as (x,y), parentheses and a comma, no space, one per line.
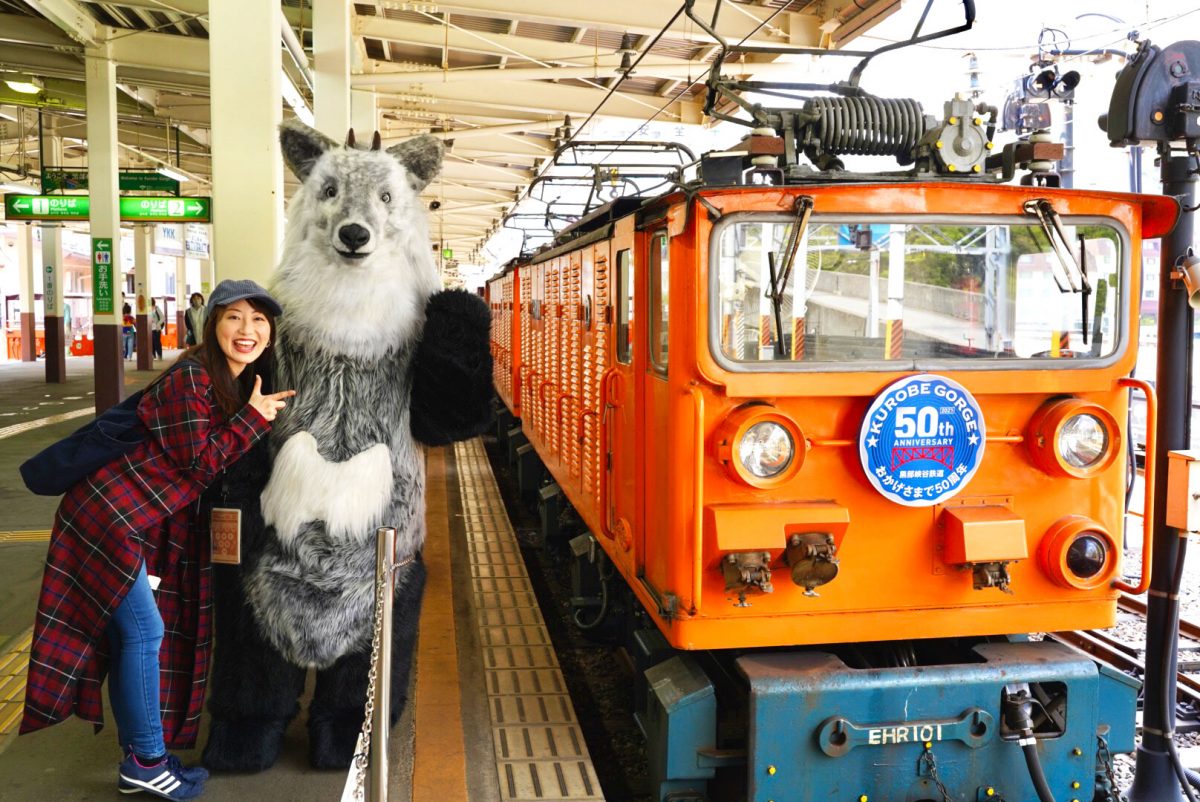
(55,179)
(134,209)
(103,275)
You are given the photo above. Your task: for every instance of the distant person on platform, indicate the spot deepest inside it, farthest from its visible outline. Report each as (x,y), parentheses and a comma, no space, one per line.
(128,329)
(194,320)
(156,324)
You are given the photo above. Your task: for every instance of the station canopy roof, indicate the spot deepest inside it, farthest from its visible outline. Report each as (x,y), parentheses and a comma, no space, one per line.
(495,78)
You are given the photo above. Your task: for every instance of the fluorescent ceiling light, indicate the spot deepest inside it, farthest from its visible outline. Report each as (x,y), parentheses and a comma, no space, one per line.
(19,188)
(25,84)
(174,175)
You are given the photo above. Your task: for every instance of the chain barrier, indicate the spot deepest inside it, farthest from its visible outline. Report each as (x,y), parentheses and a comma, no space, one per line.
(355,790)
(927,765)
(381,659)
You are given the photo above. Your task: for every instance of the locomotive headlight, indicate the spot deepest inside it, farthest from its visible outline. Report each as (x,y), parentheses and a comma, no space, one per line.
(1083,440)
(766,449)
(1072,437)
(1087,555)
(1078,553)
(759,445)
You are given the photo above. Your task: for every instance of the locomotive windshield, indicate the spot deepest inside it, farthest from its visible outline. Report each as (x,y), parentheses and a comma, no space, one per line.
(915,291)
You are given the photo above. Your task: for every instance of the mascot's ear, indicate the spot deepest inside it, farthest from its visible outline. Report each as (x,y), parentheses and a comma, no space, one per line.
(421,156)
(302,146)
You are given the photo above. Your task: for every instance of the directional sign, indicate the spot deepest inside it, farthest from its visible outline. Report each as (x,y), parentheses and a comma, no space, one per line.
(58,178)
(103,276)
(165,210)
(134,209)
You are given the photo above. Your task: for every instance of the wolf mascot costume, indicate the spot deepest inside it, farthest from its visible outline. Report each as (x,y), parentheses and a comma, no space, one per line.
(380,360)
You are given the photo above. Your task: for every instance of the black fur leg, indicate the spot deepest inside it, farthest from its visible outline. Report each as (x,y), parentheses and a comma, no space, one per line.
(406,615)
(336,714)
(253,691)
(452,369)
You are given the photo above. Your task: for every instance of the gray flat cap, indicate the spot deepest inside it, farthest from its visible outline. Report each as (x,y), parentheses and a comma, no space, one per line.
(229,291)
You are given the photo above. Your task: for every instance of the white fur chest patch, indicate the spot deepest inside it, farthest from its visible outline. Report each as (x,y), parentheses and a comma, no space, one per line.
(350,497)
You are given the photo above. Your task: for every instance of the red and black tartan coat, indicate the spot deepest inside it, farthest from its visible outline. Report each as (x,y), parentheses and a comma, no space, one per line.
(142,506)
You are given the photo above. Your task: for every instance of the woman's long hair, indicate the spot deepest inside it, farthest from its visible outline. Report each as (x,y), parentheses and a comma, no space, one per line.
(232,392)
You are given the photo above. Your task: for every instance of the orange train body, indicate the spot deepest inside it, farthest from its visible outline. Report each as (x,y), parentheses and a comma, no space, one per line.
(636,418)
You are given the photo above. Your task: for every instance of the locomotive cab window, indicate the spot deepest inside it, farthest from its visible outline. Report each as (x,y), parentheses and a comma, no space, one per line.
(922,291)
(624,306)
(659,281)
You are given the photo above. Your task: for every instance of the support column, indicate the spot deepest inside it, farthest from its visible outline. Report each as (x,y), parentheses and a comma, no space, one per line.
(58,335)
(331,70)
(25,266)
(141,286)
(1154,778)
(53,304)
(364,117)
(182,302)
(107,283)
(244,77)
(208,278)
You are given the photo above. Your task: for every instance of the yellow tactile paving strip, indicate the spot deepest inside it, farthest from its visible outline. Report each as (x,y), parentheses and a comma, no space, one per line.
(13,664)
(25,536)
(439,753)
(540,751)
(18,428)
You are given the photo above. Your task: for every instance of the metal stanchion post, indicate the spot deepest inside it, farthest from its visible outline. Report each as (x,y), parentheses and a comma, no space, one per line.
(385,560)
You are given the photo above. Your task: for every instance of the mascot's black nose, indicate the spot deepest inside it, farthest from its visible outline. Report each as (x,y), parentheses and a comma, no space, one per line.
(354,236)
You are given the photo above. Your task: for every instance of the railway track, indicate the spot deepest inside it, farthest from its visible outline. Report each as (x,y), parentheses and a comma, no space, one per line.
(1123,656)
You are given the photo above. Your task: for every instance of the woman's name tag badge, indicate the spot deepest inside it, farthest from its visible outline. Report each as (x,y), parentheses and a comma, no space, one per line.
(226,528)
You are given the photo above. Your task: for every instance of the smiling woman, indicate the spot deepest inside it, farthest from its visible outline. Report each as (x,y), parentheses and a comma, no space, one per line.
(243,332)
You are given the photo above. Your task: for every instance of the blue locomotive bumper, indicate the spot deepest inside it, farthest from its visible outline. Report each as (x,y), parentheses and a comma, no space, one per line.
(820,730)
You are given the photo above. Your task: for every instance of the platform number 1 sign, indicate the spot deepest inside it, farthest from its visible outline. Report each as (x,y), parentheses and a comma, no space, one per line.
(103,277)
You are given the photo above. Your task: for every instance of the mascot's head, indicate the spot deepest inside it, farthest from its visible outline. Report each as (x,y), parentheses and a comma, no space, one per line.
(356,267)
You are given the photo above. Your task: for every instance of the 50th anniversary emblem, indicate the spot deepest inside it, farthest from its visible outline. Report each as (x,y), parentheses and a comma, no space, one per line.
(922,440)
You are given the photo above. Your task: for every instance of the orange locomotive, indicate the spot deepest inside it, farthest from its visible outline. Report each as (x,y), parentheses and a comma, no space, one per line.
(845,438)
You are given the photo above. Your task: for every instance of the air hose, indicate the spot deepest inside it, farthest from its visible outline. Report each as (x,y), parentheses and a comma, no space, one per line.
(1018,715)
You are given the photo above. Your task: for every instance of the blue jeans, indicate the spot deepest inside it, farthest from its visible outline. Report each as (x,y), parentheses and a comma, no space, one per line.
(136,633)
(128,343)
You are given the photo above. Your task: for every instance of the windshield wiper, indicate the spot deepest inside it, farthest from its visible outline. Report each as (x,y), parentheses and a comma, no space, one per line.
(1077,280)
(780,275)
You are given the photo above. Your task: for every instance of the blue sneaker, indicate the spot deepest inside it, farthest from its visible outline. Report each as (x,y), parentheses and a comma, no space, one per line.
(196,774)
(161,779)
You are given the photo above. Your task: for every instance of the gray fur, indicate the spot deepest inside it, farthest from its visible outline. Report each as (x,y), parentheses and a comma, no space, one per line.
(345,344)
(422,156)
(302,146)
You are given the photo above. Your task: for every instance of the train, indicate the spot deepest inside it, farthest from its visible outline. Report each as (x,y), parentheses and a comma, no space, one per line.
(840,442)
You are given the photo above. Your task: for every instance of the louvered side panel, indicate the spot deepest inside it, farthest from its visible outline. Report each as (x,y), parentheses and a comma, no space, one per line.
(597,363)
(553,313)
(572,367)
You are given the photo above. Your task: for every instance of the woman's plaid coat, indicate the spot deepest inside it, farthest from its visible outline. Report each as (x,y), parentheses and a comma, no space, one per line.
(142,506)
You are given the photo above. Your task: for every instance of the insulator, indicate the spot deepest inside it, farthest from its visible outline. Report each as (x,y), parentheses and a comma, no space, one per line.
(866,126)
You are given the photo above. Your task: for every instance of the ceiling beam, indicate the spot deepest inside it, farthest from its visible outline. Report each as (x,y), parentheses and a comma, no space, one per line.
(601,68)
(491,44)
(72,18)
(632,16)
(160,51)
(21,30)
(541,99)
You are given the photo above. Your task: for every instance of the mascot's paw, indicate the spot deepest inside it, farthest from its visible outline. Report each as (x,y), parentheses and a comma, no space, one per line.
(331,740)
(452,370)
(244,745)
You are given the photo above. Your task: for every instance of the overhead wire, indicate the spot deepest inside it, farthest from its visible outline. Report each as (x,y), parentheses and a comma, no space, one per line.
(675,97)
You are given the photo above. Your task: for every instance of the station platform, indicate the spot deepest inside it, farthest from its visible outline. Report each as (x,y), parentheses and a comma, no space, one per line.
(488,718)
